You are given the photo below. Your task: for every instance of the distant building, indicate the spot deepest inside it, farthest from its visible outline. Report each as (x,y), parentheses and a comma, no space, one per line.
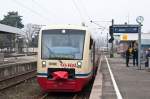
(9,38)
(130,39)
(145,43)
(145,38)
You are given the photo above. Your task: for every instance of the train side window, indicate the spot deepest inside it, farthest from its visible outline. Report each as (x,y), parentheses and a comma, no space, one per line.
(91,43)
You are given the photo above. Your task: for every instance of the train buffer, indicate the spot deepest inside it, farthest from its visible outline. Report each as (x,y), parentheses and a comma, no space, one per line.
(128,83)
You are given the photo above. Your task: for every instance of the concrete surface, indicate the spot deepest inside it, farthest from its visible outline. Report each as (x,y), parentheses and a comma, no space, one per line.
(132,83)
(96,92)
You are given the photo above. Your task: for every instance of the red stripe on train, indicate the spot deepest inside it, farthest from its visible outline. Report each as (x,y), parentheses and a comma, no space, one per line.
(74,85)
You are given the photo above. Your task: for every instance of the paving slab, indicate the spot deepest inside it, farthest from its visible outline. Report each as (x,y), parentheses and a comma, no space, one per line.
(132,83)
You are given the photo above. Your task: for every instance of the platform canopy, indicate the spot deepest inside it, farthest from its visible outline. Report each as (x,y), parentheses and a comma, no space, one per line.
(134,37)
(10,29)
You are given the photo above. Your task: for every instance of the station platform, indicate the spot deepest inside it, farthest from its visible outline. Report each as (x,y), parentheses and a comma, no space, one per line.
(19,59)
(132,82)
(17,65)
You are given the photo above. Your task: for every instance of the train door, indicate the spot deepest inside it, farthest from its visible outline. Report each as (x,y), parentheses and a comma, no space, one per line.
(92,48)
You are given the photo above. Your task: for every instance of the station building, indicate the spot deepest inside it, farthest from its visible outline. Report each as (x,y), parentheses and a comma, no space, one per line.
(10,39)
(130,39)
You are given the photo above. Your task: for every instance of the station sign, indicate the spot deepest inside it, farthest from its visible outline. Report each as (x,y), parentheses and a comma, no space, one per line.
(124,28)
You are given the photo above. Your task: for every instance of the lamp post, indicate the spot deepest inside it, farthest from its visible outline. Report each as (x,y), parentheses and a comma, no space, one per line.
(139,20)
(107,42)
(112,46)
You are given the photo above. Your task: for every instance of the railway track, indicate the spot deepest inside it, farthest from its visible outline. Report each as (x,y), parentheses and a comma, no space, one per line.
(42,96)
(80,96)
(57,96)
(65,96)
(9,82)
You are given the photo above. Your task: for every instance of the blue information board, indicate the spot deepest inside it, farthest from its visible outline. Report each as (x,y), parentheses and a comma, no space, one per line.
(124,28)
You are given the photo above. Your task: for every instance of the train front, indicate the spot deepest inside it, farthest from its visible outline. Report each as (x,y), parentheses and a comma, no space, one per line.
(60,60)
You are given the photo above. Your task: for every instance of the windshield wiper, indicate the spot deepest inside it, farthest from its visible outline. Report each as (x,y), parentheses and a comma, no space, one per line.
(50,50)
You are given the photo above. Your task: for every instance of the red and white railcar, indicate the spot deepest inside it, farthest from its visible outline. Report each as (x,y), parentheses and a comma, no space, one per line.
(65,58)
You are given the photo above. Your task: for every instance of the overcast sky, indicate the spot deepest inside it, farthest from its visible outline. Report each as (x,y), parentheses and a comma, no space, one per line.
(77,11)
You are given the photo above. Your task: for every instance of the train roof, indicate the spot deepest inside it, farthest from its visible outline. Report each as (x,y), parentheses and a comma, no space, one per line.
(68,26)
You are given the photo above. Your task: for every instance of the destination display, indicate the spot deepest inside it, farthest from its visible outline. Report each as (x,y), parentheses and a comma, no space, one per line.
(124,28)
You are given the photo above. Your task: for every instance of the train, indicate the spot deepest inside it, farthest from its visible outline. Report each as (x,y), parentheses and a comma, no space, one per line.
(66,58)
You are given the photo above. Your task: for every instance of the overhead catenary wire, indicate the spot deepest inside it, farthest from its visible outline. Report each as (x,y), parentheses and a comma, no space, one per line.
(78,10)
(85,10)
(44,8)
(31,10)
(102,27)
(89,19)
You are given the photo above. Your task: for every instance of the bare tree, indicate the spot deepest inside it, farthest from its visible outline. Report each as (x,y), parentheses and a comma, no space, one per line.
(31,33)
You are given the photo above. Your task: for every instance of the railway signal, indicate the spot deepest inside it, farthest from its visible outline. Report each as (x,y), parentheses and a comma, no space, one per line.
(111,34)
(111,31)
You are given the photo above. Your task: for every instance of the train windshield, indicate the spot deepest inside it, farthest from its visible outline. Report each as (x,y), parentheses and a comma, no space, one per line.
(62,44)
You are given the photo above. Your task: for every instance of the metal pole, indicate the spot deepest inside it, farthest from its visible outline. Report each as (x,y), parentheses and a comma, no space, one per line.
(17,47)
(111,52)
(107,42)
(16,43)
(139,47)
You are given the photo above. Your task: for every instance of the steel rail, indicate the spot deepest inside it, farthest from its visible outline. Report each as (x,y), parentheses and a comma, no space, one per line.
(23,77)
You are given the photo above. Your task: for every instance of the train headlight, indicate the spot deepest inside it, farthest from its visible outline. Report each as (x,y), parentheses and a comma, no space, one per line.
(79,64)
(43,63)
